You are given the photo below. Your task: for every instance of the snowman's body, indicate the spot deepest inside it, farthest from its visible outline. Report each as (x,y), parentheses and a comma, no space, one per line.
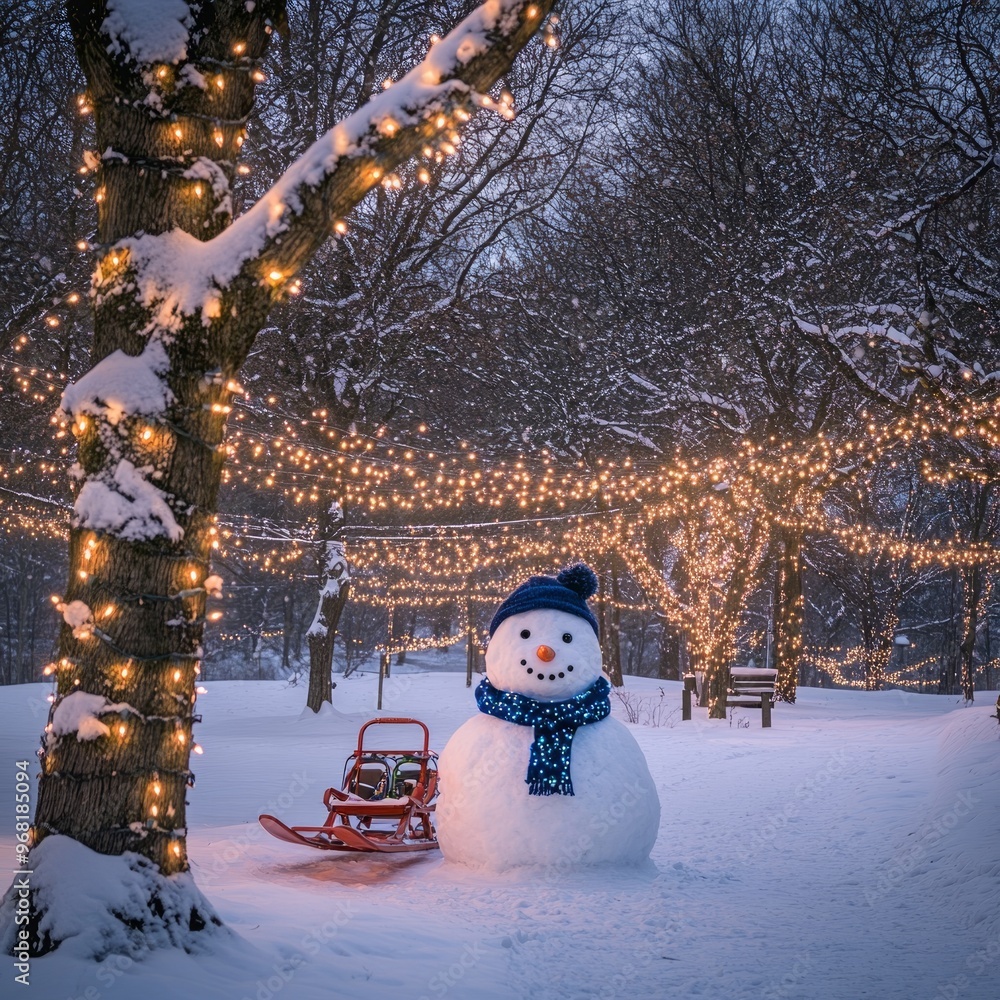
(486,816)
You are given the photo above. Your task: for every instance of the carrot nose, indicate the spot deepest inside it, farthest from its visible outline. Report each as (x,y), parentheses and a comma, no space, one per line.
(546,653)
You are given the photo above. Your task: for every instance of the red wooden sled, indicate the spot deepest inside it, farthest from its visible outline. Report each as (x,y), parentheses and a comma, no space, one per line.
(385,803)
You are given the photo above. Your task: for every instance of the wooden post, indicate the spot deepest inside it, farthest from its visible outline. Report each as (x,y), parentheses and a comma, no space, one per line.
(470,648)
(686,697)
(765,711)
(388,643)
(382,663)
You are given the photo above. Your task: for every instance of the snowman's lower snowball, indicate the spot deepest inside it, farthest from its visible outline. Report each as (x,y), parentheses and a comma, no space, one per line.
(486,818)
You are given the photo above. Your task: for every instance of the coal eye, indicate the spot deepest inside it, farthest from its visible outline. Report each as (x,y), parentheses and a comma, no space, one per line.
(567,637)
(525,633)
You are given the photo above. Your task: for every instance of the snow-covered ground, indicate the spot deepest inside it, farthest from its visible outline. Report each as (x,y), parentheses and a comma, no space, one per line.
(851,851)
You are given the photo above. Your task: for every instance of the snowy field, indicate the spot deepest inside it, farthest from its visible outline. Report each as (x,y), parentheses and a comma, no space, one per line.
(851,851)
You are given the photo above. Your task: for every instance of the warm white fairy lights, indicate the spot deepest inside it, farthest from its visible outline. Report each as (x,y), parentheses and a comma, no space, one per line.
(716,514)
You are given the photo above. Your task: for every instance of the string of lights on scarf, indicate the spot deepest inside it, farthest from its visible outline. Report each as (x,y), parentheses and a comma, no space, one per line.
(554,722)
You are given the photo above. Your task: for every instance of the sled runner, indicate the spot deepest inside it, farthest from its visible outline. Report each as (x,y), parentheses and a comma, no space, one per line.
(384,804)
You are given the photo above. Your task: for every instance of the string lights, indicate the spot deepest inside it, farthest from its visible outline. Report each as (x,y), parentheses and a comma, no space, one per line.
(688,529)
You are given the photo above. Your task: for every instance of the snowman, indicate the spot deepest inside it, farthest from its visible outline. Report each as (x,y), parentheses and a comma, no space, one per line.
(543,775)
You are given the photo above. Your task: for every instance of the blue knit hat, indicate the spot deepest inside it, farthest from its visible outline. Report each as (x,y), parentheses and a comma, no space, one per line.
(568,591)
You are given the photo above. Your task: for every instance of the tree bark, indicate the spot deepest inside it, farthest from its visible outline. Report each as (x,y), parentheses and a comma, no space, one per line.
(668,649)
(613,618)
(287,623)
(389,636)
(411,628)
(877,647)
(723,643)
(788,606)
(973,580)
(951,652)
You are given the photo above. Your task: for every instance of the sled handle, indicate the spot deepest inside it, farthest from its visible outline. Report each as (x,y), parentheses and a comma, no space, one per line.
(394,720)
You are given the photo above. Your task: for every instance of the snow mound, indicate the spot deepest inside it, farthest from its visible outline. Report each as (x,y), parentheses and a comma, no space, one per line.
(93,905)
(487,819)
(957,842)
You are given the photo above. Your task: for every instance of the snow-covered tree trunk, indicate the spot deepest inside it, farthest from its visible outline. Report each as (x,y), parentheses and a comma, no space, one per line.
(149,418)
(179,293)
(788,607)
(334,584)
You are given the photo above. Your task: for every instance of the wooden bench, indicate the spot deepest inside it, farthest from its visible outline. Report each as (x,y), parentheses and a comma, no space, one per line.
(753,687)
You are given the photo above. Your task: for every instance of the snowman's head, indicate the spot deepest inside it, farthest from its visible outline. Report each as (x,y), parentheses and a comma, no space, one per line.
(545,654)
(543,638)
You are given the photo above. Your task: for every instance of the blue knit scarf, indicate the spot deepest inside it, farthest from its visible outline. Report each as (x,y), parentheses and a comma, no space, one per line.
(555,723)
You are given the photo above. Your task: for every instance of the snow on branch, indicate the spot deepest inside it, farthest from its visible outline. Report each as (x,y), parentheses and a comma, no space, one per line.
(628,433)
(848,362)
(335,574)
(78,713)
(915,216)
(124,503)
(181,276)
(917,341)
(334,570)
(120,498)
(121,386)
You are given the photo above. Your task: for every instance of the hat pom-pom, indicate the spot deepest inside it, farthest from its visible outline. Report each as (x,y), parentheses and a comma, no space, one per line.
(579,578)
